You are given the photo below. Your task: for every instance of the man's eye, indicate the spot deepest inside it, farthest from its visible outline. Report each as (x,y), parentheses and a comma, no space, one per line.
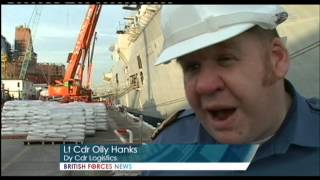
(190,67)
(226,61)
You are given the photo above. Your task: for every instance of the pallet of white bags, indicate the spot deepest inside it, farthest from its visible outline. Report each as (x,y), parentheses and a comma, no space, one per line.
(42,142)
(14,136)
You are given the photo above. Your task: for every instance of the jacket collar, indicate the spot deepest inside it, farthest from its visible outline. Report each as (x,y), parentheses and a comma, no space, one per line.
(300,128)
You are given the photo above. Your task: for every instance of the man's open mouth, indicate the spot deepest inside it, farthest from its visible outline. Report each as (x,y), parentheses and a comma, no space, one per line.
(221,113)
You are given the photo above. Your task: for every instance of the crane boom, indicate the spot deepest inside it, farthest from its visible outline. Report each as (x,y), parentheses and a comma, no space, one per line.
(83,42)
(72,89)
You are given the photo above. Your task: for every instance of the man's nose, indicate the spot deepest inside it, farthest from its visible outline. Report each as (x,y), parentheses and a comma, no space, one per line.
(209,82)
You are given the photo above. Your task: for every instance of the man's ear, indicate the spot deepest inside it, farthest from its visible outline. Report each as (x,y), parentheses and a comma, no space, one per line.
(279,58)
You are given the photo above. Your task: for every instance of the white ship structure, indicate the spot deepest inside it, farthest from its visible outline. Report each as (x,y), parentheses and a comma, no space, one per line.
(157,91)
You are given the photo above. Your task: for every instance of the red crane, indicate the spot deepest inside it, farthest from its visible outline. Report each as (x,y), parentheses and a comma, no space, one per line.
(71,89)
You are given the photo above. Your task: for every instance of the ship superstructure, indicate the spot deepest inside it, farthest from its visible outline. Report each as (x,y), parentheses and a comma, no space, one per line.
(157,91)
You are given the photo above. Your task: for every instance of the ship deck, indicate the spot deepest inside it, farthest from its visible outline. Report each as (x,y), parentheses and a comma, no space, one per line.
(18,159)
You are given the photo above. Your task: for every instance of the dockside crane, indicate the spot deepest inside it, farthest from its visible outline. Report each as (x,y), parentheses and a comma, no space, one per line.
(33,24)
(72,88)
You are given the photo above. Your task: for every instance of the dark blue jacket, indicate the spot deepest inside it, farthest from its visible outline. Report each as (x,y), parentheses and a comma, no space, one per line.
(292,151)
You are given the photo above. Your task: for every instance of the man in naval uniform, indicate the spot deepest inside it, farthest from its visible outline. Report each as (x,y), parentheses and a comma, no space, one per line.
(234,65)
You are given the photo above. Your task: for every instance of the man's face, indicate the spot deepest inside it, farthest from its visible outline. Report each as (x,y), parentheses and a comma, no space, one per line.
(229,87)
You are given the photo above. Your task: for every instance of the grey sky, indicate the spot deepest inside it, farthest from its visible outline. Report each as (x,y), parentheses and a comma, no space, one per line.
(58,29)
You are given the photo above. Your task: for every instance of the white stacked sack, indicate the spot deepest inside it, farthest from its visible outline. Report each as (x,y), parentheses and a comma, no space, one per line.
(101,116)
(16,116)
(90,123)
(62,122)
(53,121)
(98,113)
(90,128)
